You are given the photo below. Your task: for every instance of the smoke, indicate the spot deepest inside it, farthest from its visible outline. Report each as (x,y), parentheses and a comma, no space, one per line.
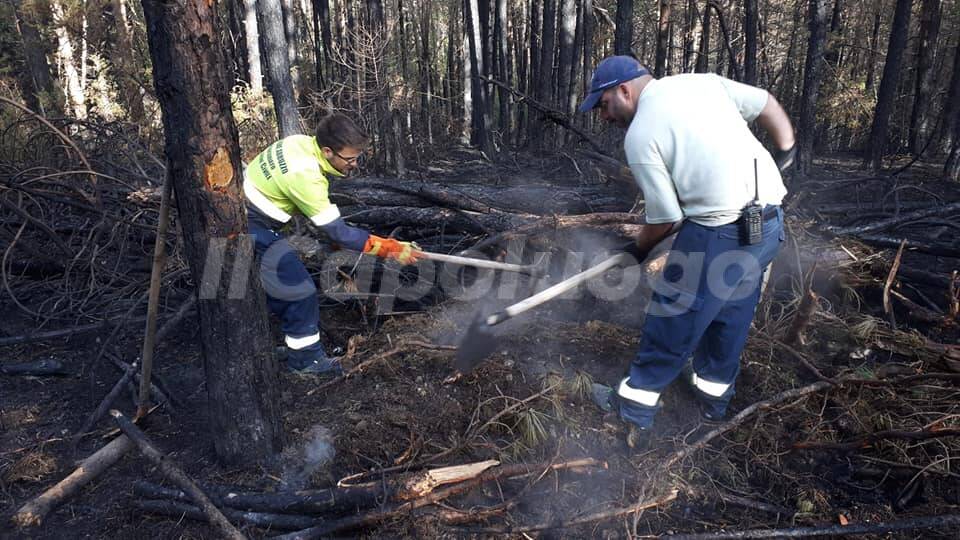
(301,461)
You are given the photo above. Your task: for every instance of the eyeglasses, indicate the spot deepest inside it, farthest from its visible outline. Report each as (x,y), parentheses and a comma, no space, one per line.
(348,160)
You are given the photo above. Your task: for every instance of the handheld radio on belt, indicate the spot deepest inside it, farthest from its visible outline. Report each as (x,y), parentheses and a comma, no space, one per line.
(752,218)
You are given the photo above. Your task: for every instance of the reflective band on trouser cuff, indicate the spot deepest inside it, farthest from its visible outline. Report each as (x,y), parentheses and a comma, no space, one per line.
(326,216)
(643,397)
(262,203)
(709,388)
(297,343)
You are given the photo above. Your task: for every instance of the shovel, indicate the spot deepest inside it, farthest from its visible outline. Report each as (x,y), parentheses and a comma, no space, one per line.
(530,269)
(480,341)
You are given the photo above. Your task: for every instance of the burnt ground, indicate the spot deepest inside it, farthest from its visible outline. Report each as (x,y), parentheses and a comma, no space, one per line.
(400,414)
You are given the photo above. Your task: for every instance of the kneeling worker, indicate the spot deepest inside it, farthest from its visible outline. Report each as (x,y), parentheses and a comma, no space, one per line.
(292,175)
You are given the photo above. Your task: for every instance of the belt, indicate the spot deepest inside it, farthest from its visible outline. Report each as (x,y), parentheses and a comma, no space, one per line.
(770,212)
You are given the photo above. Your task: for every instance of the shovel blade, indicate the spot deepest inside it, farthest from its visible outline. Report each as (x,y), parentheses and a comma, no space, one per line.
(478,343)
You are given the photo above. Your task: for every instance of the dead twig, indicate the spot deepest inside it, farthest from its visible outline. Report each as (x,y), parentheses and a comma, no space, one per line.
(156,276)
(805,310)
(802,359)
(581,520)
(787,395)
(948,520)
(872,438)
(176,475)
(887,308)
(402,346)
(387,512)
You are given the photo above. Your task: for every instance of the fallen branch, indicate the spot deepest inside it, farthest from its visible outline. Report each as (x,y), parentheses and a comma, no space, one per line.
(896,220)
(47,367)
(800,358)
(943,250)
(949,520)
(872,438)
(176,475)
(85,328)
(581,520)
(161,396)
(331,500)
(279,522)
(919,313)
(751,504)
(787,395)
(394,510)
(37,509)
(550,113)
(65,332)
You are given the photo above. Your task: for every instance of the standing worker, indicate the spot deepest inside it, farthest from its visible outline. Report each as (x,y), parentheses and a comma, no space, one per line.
(703,172)
(292,176)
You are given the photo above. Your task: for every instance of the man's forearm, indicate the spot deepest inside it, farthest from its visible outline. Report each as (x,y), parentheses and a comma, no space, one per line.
(774,120)
(652,234)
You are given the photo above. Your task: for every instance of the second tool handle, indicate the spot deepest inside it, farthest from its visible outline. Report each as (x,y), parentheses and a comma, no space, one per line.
(558,289)
(479,263)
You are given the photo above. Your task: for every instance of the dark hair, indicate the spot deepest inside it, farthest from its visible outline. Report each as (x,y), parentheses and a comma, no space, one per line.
(337,132)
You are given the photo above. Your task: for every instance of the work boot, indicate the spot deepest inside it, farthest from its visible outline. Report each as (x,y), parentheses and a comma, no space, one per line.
(710,414)
(712,410)
(604,396)
(313,361)
(329,366)
(638,438)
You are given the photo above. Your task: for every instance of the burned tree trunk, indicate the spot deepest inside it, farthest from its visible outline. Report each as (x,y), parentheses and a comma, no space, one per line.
(203,161)
(623,38)
(951,113)
(38,88)
(279,81)
(812,74)
(750,34)
(703,56)
(877,143)
(663,42)
(874,45)
(544,84)
(951,169)
(479,134)
(291,38)
(920,119)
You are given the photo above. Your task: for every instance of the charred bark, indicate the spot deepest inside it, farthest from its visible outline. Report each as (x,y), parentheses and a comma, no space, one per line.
(920,119)
(877,143)
(203,157)
(623,37)
(812,75)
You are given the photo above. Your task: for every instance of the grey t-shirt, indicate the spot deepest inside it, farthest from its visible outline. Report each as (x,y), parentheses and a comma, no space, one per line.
(692,153)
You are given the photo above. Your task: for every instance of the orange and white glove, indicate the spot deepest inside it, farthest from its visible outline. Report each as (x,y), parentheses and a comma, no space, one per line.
(388,248)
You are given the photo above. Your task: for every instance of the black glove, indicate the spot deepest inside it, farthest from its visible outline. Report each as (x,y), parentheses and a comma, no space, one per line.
(631,248)
(785,158)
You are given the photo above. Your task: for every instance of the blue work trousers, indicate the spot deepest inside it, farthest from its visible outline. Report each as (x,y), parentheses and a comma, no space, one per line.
(702,306)
(291,293)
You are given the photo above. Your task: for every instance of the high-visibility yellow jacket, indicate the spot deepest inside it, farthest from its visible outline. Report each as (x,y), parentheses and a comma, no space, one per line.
(290,176)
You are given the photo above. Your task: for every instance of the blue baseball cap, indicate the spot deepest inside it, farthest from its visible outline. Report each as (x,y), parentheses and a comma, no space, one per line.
(612,71)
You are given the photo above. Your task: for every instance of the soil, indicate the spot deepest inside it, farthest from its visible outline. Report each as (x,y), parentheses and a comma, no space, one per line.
(400,413)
